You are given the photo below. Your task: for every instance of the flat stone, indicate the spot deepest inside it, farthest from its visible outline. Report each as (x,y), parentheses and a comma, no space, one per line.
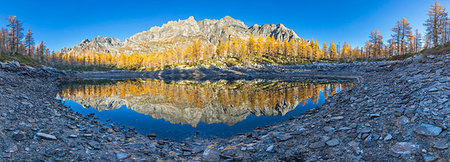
(73,136)
(270,148)
(365,130)
(428,157)
(122,155)
(3,65)
(94,144)
(211,155)
(283,137)
(344,128)
(433,90)
(46,136)
(374,115)
(197,150)
(337,117)
(428,130)
(388,137)
(11,149)
(333,142)
(328,129)
(187,153)
(442,144)
(442,100)
(402,120)
(5,155)
(317,145)
(404,148)
(19,136)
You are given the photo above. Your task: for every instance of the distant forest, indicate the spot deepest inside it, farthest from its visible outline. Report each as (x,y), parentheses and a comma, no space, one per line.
(251,51)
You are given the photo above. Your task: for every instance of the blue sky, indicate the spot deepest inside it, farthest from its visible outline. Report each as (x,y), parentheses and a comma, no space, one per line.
(66,23)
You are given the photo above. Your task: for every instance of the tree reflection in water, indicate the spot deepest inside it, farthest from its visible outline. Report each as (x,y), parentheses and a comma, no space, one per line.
(187,102)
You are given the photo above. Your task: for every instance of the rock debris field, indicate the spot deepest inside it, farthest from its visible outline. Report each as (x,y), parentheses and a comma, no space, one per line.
(399,111)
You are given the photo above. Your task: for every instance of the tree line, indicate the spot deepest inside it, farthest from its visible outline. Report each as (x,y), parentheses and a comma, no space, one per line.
(405,40)
(243,51)
(13,41)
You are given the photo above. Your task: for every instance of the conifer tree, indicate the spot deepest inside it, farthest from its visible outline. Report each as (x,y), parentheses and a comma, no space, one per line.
(29,42)
(402,33)
(435,23)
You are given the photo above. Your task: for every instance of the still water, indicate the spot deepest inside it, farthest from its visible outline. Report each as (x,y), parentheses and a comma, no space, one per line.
(181,109)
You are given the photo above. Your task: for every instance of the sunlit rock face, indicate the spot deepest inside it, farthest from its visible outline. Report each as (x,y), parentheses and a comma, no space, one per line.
(98,44)
(182,33)
(194,102)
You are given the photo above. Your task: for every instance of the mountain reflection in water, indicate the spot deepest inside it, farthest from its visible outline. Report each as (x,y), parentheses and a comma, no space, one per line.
(187,102)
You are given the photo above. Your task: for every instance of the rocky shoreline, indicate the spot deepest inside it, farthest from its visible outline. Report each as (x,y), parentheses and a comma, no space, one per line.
(343,71)
(399,111)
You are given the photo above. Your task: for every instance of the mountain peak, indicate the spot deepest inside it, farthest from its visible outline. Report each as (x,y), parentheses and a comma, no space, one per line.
(182,33)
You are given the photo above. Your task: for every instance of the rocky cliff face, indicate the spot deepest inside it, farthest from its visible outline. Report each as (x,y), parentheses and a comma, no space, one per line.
(98,44)
(182,33)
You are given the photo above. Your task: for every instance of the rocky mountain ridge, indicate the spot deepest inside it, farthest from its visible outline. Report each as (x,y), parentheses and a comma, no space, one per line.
(182,33)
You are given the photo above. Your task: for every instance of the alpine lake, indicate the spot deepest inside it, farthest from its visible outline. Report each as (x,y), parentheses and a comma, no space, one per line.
(203,109)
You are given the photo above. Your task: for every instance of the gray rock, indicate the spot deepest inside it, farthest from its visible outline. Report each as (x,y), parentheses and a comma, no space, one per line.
(15,63)
(211,155)
(283,137)
(270,148)
(428,130)
(442,100)
(317,145)
(328,129)
(333,142)
(388,137)
(404,148)
(73,136)
(428,157)
(94,144)
(3,65)
(11,148)
(374,115)
(433,90)
(46,136)
(402,120)
(442,144)
(337,117)
(365,130)
(122,155)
